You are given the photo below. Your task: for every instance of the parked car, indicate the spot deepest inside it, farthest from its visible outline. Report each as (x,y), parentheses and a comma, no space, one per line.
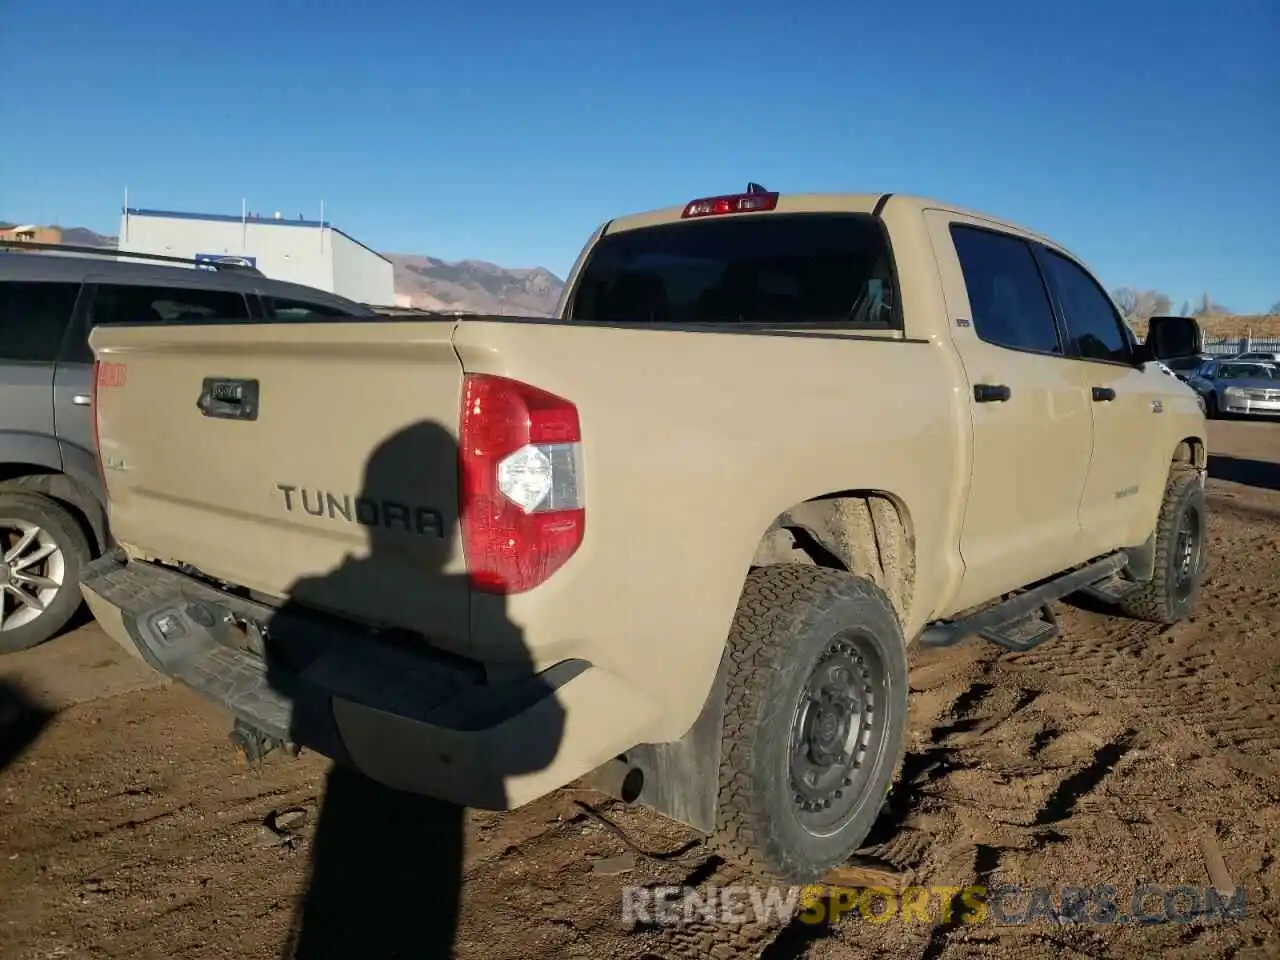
(52,504)
(1259,356)
(1238,387)
(1185,367)
(679,536)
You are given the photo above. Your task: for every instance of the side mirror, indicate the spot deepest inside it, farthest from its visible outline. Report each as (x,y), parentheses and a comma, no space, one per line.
(1170,338)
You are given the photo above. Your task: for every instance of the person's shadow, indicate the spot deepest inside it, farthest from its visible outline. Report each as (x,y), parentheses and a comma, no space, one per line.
(21,721)
(386,864)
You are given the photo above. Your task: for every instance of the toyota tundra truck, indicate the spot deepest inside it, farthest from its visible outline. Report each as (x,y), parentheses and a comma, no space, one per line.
(677,538)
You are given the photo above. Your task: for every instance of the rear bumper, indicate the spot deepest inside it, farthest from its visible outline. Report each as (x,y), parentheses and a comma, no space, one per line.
(409,718)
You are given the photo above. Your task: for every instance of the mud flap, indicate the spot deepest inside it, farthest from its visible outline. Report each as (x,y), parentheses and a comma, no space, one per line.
(1141,565)
(680,779)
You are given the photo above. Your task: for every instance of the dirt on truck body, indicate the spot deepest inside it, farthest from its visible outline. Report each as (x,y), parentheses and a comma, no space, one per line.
(679,536)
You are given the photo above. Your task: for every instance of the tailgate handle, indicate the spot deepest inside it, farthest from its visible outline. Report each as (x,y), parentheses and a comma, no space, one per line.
(991,392)
(227,399)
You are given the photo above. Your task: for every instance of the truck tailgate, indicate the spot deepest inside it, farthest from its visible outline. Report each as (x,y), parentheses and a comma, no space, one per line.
(311,461)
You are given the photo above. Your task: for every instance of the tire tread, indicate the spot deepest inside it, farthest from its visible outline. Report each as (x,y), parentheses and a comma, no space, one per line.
(774,601)
(1151,601)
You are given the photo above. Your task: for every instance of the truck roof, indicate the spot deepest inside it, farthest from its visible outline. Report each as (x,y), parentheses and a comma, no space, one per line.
(827,203)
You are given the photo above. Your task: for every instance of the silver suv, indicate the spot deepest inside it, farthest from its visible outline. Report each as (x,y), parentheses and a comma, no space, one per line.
(53,517)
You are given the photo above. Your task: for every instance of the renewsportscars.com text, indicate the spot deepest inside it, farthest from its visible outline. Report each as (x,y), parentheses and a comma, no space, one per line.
(1007,904)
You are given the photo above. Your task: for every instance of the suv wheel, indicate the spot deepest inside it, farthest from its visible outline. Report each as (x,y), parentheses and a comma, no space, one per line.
(814,720)
(42,552)
(1180,557)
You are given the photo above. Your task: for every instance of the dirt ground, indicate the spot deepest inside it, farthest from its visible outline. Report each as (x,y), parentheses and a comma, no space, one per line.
(1121,753)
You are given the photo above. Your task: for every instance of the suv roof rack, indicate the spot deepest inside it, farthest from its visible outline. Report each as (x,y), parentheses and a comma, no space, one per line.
(232,262)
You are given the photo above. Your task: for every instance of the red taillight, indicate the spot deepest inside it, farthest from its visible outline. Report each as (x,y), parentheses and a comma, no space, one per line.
(93,412)
(522,510)
(732,203)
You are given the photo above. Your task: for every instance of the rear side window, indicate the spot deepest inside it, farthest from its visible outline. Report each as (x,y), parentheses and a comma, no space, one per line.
(33,318)
(122,303)
(775,269)
(126,303)
(1007,295)
(280,308)
(1093,325)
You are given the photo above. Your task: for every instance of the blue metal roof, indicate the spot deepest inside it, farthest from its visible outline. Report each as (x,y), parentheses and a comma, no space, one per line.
(256,219)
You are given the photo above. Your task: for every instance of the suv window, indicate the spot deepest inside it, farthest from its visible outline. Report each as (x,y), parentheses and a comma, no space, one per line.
(33,318)
(1007,295)
(783,269)
(286,309)
(128,303)
(1093,325)
(124,303)
(1245,371)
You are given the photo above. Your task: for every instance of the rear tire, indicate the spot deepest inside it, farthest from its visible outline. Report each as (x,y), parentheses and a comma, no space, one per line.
(1180,558)
(815,719)
(43,551)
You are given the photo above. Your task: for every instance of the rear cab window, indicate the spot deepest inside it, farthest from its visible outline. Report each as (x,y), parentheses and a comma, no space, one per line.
(784,270)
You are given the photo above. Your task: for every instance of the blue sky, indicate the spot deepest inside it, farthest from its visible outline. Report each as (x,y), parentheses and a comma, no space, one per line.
(1143,135)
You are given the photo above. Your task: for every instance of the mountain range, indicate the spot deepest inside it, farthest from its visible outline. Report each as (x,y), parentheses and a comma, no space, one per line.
(475,285)
(432,284)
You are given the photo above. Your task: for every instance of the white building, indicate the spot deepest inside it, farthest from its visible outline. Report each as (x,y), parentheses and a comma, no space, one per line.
(312,252)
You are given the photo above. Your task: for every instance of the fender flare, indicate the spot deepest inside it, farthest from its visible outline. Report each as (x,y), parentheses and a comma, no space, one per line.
(34,464)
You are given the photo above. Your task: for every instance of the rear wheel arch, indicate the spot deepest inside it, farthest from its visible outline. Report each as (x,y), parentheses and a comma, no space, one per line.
(866,532)
(66,490)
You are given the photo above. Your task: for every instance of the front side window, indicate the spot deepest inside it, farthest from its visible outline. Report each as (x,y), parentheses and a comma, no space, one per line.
(33,318)
(1093,326)
(1007,297)
(772,269)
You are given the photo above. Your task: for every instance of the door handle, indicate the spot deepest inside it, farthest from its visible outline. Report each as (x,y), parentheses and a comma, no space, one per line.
(1103,394)
(82,399)
(991,392)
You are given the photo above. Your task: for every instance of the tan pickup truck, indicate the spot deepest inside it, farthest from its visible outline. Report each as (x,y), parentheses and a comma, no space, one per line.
(678,537)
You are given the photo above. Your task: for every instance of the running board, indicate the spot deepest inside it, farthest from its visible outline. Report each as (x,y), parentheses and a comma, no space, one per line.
(1025,620)
(1112,589)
